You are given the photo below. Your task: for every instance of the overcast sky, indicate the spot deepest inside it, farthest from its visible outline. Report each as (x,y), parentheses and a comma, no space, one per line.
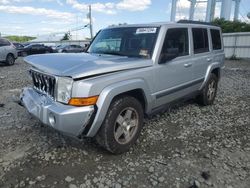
(38,17)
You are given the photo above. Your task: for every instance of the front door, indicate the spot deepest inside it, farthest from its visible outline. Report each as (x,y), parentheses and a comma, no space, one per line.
(174,73)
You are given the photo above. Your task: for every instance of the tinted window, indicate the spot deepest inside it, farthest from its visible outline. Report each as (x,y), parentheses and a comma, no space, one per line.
(75,46)
(176,40)
(4,42)
(216,40)
(200,39)
(35,45)
(1,42)
(18,45)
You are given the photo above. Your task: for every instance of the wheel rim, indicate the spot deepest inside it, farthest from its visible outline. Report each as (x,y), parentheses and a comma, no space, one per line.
(211,90)
(126,125)
(10,60)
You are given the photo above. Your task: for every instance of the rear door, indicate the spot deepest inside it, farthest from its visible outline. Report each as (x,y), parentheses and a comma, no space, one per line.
(73,48)
(78,48)
(2,50)
(217,45)
(41,49)
(202,55)
(174,77)
(33,49)
(5,48)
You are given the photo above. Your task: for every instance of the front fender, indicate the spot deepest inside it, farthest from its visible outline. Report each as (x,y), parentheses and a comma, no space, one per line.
(107,95)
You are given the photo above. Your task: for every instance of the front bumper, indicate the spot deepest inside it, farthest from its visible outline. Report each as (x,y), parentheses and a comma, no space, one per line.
(64,118)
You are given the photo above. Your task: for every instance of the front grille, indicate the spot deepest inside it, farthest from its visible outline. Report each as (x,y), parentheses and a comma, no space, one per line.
(43,83)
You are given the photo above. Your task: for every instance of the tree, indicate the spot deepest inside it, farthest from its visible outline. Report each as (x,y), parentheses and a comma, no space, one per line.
(15,38)
(66,36)
(231,26)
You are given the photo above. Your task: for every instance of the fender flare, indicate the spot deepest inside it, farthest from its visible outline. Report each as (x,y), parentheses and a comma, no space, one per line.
(210,68)
(108,94)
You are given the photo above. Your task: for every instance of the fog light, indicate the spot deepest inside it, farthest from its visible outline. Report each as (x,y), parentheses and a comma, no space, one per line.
(52,119)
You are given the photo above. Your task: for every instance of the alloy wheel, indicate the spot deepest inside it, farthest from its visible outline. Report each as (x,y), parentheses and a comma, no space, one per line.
(126,125)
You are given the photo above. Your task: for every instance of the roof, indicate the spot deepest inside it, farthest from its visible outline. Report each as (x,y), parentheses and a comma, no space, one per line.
(158,24)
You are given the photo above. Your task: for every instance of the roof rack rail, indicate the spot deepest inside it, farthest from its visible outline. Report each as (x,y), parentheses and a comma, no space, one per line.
(194,22)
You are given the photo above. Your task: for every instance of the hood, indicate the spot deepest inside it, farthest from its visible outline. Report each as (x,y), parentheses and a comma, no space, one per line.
(84,64)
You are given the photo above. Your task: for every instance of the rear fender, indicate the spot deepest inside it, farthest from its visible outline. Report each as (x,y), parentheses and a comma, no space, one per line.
(210,68)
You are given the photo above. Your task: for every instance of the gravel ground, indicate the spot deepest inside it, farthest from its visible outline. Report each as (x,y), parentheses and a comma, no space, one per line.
(189,146)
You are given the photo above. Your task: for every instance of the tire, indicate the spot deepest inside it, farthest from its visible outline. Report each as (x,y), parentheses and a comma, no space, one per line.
(209,92)
(10,60)
(46,52)
(122,125)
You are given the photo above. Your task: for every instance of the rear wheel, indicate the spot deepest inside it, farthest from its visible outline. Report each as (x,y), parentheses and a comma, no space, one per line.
(208,93)
(10,60)
(122,125)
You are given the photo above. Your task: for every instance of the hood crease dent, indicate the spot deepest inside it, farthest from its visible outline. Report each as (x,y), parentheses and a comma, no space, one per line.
(84,64)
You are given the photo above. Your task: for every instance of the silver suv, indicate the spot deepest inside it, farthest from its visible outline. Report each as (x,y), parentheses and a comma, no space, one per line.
(8,52)
(127,73)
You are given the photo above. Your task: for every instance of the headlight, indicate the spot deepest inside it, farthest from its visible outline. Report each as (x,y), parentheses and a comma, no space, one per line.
(64,87)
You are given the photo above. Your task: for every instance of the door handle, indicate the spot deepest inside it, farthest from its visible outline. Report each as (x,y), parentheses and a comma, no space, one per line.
(187,64)
(209,59)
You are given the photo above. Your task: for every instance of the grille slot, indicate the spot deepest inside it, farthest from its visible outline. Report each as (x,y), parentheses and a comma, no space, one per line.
(43,83)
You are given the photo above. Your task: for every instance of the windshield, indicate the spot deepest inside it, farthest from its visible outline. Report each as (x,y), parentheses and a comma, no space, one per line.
(127,41)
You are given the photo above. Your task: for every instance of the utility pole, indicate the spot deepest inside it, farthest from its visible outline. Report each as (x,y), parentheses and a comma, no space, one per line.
(173,10)
(226,9)
(236,10)
(90,23)
(191,11)
(210,10)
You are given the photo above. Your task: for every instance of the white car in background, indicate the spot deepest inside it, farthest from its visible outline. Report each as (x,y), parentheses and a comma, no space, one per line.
(8,52)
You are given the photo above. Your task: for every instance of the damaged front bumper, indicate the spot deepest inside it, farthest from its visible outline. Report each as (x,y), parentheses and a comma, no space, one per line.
(64,118)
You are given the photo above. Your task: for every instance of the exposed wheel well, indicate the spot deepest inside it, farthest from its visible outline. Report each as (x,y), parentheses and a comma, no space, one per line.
(138,94)
(216,71)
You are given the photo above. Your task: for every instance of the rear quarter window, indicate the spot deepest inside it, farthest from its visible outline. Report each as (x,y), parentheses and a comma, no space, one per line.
(200,40)
(216,39)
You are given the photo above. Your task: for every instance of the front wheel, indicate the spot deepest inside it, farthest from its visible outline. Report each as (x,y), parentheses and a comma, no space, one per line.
(208,93)
(122,125)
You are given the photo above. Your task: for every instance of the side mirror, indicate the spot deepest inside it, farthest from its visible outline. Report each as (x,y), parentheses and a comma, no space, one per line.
(85,48)
(172,53)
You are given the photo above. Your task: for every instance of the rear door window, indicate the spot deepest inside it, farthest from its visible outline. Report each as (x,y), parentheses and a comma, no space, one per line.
(4,42)
(216,39)
(1,42)
(200,40)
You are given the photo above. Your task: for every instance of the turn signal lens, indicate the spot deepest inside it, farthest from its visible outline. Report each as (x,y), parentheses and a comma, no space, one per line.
(83,101)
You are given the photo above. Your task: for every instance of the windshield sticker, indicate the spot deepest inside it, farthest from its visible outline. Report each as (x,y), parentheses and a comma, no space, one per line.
(144,53)
(146,30)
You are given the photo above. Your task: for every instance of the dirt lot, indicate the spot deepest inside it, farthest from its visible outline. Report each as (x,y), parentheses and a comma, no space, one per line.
(189,146)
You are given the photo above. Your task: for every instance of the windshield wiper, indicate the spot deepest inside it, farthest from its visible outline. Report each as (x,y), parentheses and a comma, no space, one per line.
(113,53)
